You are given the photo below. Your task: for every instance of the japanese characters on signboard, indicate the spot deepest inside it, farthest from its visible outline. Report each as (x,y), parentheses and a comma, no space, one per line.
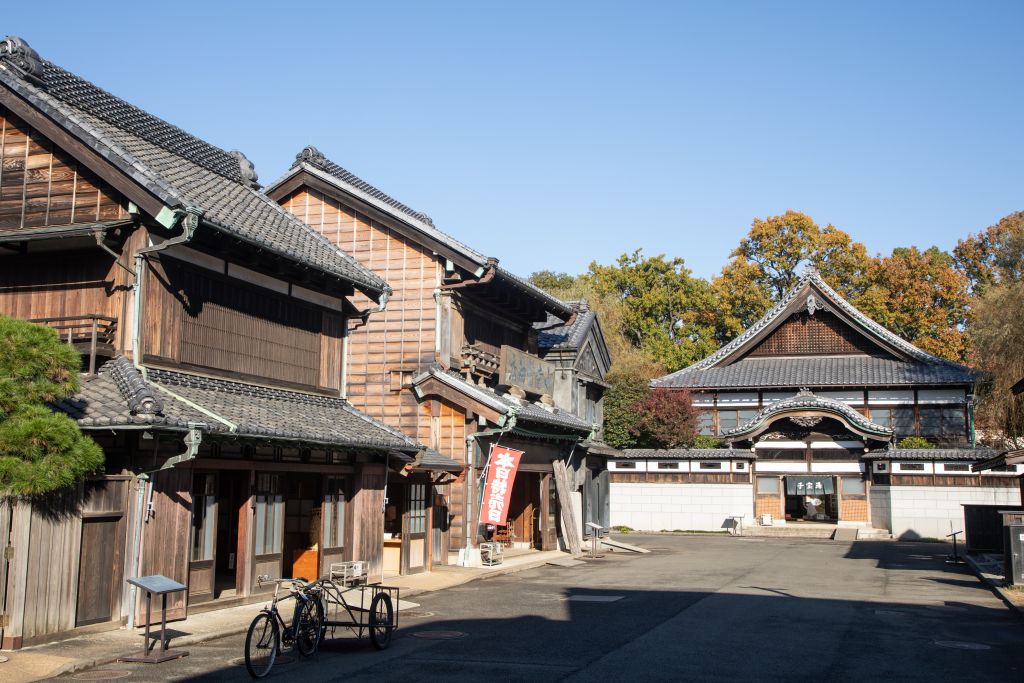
(527,372)
(501,473)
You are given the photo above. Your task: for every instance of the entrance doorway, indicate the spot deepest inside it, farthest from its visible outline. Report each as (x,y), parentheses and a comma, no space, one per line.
(811,499)
(218,499)
(303,497)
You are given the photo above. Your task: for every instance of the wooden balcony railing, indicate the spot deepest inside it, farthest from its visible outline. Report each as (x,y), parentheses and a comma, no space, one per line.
(91,334)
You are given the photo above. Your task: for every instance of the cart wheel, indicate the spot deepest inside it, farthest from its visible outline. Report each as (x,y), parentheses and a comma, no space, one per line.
(382,620)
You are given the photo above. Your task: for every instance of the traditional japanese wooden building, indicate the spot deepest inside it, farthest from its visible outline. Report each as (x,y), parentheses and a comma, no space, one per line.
(447,363)
(810,404)
(213,327)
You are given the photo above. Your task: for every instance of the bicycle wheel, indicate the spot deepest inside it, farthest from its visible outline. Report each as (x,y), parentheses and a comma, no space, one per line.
(261,645)
(382,620)
(308,625)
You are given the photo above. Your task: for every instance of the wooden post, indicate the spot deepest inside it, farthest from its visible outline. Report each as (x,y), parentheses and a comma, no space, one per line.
(92,348)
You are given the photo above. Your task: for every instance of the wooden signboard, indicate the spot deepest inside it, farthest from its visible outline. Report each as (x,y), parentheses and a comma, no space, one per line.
(527,372)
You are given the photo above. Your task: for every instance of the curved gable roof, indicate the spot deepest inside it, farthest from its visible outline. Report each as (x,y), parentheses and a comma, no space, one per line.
(811,293)
(806,403)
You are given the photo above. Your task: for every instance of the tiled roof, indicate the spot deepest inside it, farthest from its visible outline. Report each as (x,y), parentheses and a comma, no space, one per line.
(601,448)
(107,399)
(432,460)
(686,454)
(818,371)
(279,414)
(182,170)
(522,410)
(917,368)
(312,160)
(119,396)
(807,401)
(932,454)
(555,336)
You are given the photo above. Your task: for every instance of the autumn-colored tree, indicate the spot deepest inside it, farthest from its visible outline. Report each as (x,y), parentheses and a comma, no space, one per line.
(40,450)
(921,297)
(666,418)
(993,261)
(994,255)
(768,262)
(665,311)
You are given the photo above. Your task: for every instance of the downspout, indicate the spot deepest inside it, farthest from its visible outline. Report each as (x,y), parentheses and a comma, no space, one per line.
(472,521)
(189,221)
(168,218)
(381,306)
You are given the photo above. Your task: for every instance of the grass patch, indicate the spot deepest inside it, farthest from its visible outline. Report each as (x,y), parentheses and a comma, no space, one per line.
(622,529)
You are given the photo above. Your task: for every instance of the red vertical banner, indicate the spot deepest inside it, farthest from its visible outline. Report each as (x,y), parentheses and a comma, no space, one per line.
(501,472)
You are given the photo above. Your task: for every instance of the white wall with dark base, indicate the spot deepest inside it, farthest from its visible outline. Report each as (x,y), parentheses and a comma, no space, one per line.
(685,507)
(926,511)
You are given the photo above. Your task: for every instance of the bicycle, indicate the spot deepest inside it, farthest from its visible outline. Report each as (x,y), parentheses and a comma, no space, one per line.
(269,635)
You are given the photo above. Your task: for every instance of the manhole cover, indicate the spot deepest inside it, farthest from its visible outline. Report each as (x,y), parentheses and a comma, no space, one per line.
(962,645)
(281,659)
(439,635)
(890,613)
(414,615)
(101,675)
(594,598)
(947,608)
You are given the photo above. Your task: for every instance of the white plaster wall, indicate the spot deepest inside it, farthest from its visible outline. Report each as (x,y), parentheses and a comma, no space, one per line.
(926,511)
(687,507)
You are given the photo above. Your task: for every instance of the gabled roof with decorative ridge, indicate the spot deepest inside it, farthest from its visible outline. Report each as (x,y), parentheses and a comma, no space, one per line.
(806,402)
(812,293)
(314,162)
(523,411)
(181,170)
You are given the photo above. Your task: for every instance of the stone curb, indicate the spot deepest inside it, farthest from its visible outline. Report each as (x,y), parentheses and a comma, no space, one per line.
(995,587)
(186,641)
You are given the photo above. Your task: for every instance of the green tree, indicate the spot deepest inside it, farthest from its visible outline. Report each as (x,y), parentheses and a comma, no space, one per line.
(628,388)
(994,255)
(921,297)
(551,282)
(665,311)
(40,450)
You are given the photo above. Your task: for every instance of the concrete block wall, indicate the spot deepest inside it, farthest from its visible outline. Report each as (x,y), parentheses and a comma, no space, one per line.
(926,511)
(687,507)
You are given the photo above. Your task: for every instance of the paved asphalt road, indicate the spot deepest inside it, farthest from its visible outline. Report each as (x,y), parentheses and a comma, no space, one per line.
(704,608)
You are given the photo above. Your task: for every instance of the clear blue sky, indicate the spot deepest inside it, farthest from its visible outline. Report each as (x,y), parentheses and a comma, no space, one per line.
(553,134)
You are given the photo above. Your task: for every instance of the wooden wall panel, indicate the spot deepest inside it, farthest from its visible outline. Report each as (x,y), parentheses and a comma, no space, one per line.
(51,587)
(400,338)
(40,185)
(203,320)
(165,538)
(61,284)
(368,518)
(804,334)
